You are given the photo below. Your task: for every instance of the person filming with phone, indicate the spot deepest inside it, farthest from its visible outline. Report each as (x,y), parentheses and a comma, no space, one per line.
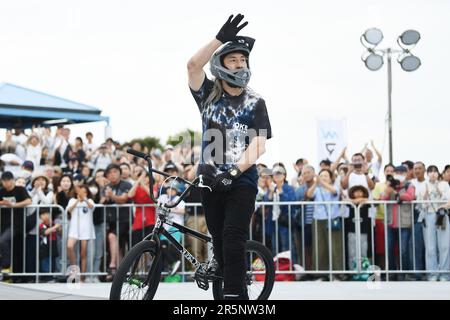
(358,174)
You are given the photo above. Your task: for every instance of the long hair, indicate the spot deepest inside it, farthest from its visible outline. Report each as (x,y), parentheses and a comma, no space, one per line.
(216,92)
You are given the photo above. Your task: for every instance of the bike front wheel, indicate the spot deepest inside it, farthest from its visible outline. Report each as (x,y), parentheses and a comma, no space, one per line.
(260,275)
(139,274)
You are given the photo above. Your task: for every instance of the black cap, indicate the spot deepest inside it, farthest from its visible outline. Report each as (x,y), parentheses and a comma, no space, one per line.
(28,165)
(400,169)
(170,166)
(7,175)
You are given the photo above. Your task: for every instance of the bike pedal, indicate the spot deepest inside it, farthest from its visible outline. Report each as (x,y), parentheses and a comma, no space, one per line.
(203,285)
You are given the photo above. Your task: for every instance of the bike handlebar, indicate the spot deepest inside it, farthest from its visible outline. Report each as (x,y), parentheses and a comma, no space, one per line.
(146,157)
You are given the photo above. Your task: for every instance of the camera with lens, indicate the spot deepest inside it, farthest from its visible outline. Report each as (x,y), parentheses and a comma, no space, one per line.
(392,181)
(441,213)
(357,165)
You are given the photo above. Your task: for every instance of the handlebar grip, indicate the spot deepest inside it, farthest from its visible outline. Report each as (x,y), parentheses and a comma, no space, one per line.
(138,154)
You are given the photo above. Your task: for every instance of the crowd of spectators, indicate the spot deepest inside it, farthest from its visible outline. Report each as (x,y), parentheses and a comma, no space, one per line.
(88,181)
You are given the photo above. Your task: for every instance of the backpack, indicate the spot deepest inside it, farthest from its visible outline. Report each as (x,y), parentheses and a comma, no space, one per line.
(282,263)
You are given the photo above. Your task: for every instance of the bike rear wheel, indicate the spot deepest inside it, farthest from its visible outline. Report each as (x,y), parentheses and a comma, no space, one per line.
(260,275)
(139,274)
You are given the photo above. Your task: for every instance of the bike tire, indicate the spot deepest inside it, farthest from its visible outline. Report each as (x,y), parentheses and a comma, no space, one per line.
(130,260)
(266,256)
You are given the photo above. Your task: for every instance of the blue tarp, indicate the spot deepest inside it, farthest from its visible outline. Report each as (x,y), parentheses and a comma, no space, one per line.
(22,107)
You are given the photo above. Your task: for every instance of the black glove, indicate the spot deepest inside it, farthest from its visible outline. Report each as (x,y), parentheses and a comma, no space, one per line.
(208,173)
(223,182)
(230,29)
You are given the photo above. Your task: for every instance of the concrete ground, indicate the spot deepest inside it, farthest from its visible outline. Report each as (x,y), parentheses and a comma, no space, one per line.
(282,291)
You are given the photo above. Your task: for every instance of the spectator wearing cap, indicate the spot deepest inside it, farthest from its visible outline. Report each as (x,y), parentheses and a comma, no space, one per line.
(40,195)
(399,219)
(27,172)
(172,169)
(171,257)
(117,220)
(33,150)
(78,180)
(260,167)
(280,216)
(12,200)
(436,228)
(327,222)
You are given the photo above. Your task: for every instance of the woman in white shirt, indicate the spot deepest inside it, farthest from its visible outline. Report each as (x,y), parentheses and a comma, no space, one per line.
(81,225)
(436,235)
(34,150)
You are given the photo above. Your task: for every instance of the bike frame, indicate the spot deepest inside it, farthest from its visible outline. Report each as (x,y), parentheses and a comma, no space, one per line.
(160,230)
(165,209)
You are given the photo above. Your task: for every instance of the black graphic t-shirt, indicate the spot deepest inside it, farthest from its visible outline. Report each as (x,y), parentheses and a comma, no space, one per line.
(228,127)
(16,195)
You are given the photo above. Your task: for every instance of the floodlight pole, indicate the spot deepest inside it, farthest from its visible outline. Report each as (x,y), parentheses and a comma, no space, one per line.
(389,70)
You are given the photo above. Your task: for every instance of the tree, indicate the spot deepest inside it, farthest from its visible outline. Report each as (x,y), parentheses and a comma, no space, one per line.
(187,138)
(149,142)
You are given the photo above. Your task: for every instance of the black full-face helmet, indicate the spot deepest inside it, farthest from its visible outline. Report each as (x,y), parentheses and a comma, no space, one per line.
(238,77)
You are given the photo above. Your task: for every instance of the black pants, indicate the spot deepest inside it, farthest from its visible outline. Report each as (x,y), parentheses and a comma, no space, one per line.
(228,217)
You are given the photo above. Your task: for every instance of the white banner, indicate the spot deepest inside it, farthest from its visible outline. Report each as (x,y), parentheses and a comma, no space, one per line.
(331,138)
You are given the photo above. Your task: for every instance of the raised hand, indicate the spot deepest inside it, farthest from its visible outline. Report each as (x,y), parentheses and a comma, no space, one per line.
(231,28)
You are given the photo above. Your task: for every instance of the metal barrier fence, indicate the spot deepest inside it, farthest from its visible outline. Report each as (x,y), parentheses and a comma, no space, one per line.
(323,238)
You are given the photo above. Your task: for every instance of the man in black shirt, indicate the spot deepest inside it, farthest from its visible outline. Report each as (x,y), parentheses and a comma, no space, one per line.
(235,127)
(117,219)
(13,222)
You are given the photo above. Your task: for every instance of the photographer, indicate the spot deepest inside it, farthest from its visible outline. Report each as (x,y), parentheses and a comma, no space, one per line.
(399,218)
(436,225)
(357,174)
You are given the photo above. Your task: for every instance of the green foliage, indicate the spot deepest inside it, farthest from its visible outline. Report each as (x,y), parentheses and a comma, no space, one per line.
(187,137)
